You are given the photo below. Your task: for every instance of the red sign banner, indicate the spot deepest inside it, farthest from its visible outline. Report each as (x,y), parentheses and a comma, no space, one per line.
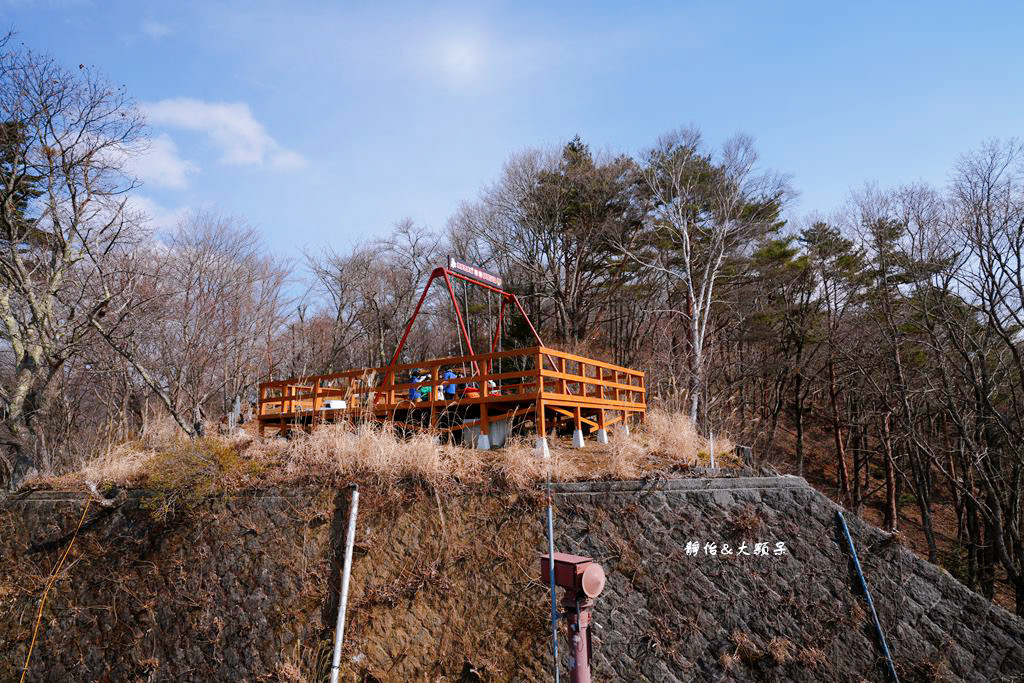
(473,272)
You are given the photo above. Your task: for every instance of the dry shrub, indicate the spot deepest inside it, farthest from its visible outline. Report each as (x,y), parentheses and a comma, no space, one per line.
(161,433)
(288,671)
(811,657)
(519,465)
(627,455)
(858,614)
(744,523)
(674,440)
(781,649)
(305,662)
(673,435)
(124,464)
(375,451)
(129,463)
(746,649)
(164,457)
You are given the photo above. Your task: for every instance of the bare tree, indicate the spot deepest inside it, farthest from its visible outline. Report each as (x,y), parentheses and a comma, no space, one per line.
(204,305)
(706,209)
(63,138)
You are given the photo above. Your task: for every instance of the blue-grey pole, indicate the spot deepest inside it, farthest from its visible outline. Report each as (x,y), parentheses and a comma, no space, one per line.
(867,596)
(551,576)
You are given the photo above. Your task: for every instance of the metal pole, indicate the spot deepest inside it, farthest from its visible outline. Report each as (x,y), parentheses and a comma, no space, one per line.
(551,572)
(350,537)
(867,596)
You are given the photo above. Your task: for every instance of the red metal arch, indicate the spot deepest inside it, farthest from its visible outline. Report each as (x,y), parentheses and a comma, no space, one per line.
(447,275)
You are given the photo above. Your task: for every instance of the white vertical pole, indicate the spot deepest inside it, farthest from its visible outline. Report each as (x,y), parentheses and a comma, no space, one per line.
(350,537)
(711,445)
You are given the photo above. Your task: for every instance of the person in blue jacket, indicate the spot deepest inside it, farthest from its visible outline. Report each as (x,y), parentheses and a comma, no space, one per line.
(449,385)
(414,392)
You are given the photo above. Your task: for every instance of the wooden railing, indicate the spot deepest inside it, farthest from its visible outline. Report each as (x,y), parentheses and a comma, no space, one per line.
(554,376)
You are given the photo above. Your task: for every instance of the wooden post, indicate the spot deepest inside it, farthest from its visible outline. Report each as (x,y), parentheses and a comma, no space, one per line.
(316,405)
(643,385)
(485,427)
(541,425)
(560,384)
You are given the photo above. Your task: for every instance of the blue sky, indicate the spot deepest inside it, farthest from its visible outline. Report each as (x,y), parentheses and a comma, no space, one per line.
(325,123)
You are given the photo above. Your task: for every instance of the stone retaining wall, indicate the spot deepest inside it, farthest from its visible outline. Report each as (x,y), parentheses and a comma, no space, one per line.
(444,588)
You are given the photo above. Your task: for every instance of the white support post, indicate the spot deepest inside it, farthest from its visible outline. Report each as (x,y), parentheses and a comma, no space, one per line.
(483,442)
(350,539)
(541,447)
(602,436)
(577,438)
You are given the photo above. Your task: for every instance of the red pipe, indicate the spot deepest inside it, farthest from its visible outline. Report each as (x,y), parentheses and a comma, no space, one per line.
(527,318)
(415,313)
(447,275)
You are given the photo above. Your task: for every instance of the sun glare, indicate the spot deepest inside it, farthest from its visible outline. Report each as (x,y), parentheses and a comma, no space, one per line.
(461,59)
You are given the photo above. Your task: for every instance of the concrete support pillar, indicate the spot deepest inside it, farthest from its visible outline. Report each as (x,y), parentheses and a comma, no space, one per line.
(602,432)
(577,435)
(541,447)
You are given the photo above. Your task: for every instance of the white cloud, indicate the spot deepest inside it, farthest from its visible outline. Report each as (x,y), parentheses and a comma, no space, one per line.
(158,163)
(161,218)
(230,127)
(156,30)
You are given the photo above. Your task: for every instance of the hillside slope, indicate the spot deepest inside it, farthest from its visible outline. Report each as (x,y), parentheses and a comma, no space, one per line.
(444,587)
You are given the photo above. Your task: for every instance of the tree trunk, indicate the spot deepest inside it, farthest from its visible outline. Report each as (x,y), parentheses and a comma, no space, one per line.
(987,559)
(1018,589)
(973,540)
(923,494)
(22,466)
(890,511)
(857,446)
(837,433)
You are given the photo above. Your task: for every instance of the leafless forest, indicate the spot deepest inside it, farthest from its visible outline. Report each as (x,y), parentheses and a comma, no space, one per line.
(895,320)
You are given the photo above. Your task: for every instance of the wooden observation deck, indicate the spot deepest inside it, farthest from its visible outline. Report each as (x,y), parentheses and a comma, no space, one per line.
(539,387)
(495,394)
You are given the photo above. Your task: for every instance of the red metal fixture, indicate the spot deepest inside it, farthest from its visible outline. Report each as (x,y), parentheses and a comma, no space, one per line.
(447,274)
(583,580)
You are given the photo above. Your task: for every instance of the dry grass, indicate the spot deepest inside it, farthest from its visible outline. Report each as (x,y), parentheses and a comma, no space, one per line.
(781,649)
(669,439)
(162,456)
(811,657)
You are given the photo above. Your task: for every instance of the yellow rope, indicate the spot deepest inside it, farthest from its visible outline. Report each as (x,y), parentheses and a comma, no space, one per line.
(49,584)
